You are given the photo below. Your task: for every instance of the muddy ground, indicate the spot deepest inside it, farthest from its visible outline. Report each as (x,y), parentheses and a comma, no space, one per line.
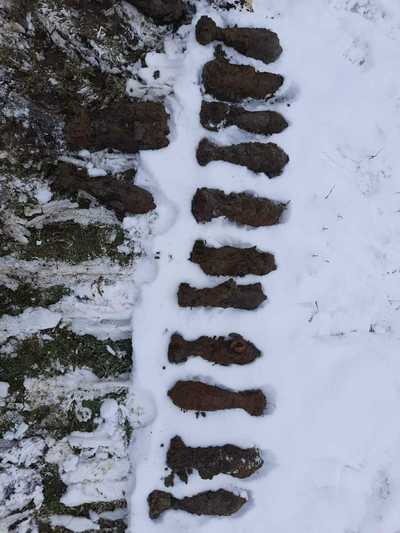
(64,72)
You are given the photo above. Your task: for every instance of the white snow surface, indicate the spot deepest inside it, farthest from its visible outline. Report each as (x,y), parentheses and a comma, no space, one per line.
(330,329)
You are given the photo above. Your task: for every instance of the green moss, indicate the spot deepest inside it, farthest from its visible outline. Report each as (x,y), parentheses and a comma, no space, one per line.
(57,420)
(74,243)
(56,351)
(128,429)
(108,526)
(50,420)
(70,242)
(8,420)
(98,507)
(54,489)
(14,302)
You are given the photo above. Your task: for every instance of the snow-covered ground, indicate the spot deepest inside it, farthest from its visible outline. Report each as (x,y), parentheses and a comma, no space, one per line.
(330,329)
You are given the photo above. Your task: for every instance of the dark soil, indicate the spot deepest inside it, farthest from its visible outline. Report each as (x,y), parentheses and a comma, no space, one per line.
(121,197)
(258,43)
(230,261)
(210,503)
(161,11)
(216,115)
(211,461)
(259,157)
(234,83)
(242,208)
(231,350)
(200,397)
(125,126)
(227,294)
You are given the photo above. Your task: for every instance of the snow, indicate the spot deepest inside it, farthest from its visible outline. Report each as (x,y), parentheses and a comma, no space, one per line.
(28,322)
(330,328)
(43,195)
(74,523)
(3,389)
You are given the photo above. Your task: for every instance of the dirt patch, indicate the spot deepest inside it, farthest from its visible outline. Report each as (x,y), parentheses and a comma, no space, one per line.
(161,11)
(242,208)
(267,158)
(217,115)
(231,261)
(225,295)
(121,197)
(234,83)
(125,126)
(258,43)
(231,350)
(211,461)
(210,503)
(200,397)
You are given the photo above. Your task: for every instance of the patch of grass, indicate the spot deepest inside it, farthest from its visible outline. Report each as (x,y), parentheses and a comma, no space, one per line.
(74,243)
(8,420)
(128,429)
(14,302)
(108,526)
(56,351)
(53,490)
(53,419)
(48,420)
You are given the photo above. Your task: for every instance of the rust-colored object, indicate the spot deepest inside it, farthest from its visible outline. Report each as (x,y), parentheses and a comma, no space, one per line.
(201,397)
(267,158)
(161,11)
(225,295)
(211,461)
(210,503)
(231,350)
(122,197)
(234,83)
(231,261)
(258,43)
(125,126)
(242,208)
(217,115)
